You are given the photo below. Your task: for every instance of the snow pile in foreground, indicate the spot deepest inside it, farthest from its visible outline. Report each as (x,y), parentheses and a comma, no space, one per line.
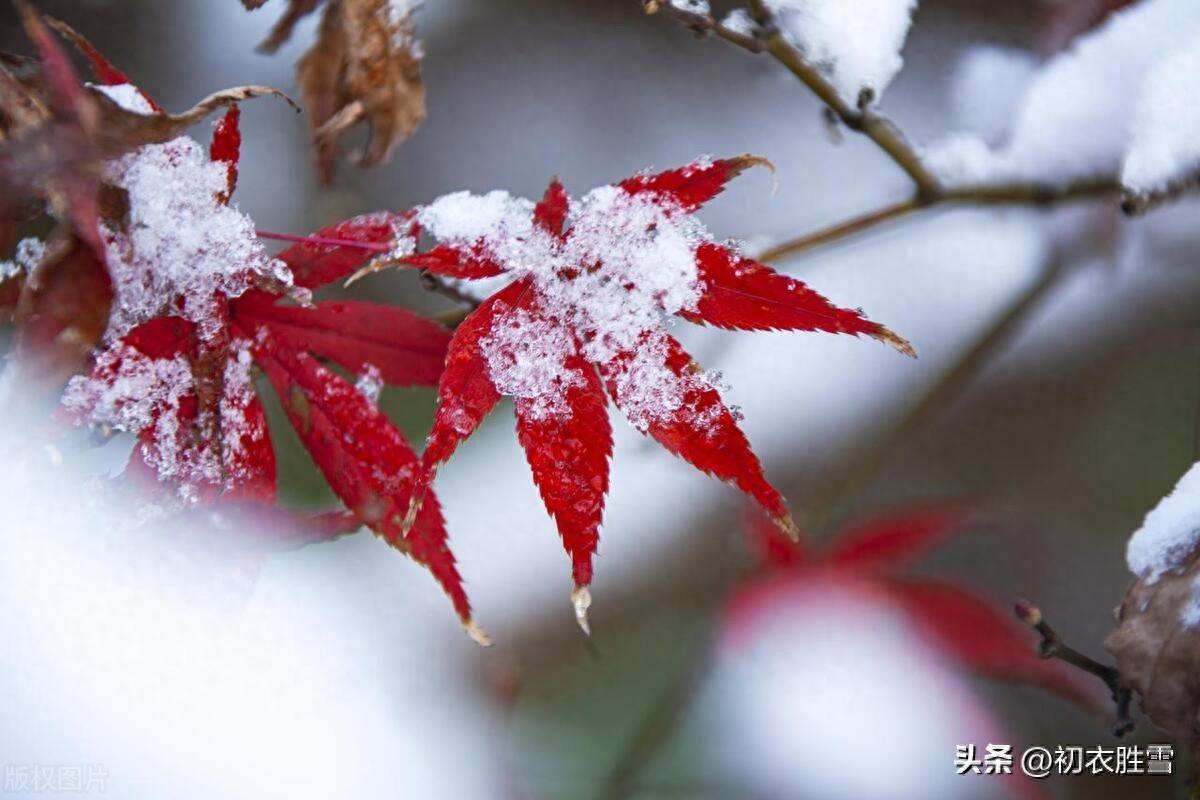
(175,656)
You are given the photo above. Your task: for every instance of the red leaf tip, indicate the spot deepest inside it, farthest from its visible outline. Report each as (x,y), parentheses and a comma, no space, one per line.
(1028,613)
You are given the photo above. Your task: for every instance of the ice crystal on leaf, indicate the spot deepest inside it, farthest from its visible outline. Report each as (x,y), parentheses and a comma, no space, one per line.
(590,282)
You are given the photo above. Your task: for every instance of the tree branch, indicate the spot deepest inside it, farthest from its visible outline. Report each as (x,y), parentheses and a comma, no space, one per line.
(865,118)
(1052,646)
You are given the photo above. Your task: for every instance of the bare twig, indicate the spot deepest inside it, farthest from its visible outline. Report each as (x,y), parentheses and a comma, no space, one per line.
(865,118)
(1052,646)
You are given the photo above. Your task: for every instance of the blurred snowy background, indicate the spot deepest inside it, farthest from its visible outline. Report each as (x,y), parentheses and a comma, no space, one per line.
(339,670)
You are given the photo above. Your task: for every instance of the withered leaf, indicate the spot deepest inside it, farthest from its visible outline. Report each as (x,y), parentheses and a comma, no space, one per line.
(1157,649)
(364,66)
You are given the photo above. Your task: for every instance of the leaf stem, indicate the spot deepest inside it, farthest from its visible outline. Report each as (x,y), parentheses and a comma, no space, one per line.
(866,118)
(324,241)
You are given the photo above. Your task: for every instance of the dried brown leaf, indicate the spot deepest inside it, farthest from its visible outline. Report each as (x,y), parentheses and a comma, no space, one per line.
(1157,649)
(365,65)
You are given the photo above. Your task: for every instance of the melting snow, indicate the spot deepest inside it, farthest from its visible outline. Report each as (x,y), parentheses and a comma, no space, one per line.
(856,44)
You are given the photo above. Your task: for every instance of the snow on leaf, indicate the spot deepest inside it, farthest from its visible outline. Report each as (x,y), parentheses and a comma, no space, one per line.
(568,452)
(362,455)
(1164,150)
(591,282)
(696,426)
(180,243)
(857,45)
(1169,537)
(405,348)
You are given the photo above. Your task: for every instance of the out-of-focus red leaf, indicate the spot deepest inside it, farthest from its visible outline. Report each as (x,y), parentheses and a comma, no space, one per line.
(569,455)
(66,92)
(742,294)
(1063,20)
(985,638)
(889,541)
(362,455)
(694,185)
(63,310)
(717,447)
(406,348)
(551,212)
(226,148)
(315,265)
(105,72)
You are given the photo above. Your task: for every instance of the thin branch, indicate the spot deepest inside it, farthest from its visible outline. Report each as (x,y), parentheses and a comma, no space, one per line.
(840,230)
(324,241)
(865,118)
(1031,194)
(1052,646)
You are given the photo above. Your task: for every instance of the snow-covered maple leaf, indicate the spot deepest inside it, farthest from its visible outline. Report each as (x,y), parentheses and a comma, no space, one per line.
(580,321)
(197,303)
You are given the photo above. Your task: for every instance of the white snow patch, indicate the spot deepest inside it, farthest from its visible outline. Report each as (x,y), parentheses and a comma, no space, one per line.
(182,246)
(1171,532)
(856,44)
(987,88)
(826,674)
(1074,121)
(131,392)
(739,21)
(1165,145)
(127,96)
(29,254)
(370,383)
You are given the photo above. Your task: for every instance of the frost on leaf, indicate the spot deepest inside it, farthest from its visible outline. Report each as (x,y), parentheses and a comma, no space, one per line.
(591,281)
(857,45)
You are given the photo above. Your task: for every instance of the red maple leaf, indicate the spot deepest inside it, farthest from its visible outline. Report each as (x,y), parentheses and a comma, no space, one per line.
(964,626)
(580,322)
(179,375)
